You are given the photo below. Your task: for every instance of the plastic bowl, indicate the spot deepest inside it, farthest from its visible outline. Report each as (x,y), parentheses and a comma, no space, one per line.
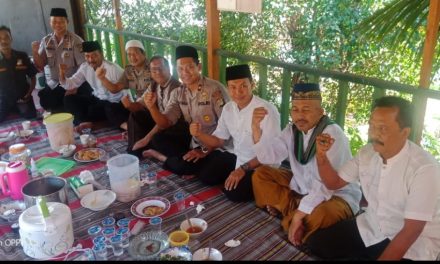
(202,254)
(199,226)
(67,150)
(178,238)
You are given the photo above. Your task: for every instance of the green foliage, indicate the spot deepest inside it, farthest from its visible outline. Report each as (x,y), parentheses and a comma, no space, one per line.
(344,35)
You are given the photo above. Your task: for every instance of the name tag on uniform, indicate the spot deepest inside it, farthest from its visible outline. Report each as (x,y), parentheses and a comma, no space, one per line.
(204,103)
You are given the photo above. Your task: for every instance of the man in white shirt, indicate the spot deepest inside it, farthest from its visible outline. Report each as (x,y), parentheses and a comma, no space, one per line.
(235,168)
(102,104)
(401,183)
(302,199)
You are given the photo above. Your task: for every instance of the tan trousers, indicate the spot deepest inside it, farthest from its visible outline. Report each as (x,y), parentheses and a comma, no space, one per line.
(271,187)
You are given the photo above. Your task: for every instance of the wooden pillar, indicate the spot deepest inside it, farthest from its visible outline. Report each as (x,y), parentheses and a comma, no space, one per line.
(119,27)
(426,69)
(78,17)
(213,30)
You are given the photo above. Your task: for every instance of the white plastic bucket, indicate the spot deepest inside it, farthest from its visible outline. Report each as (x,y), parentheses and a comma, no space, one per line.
(59,130)
(124,177)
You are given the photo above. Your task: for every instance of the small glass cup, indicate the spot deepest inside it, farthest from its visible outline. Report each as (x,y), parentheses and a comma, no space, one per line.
(99,240)
(108,222)
(125,234)
(156,224)
(116,242)
(100,252)
(152,179)
(124,222)
(179,198)
(108,232)
(94,231)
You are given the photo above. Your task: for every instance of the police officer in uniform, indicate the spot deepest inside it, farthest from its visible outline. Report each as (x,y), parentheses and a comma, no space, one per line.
(199,99)
(59,47)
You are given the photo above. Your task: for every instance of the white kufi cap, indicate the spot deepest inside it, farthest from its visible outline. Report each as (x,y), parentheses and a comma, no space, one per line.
(134,44)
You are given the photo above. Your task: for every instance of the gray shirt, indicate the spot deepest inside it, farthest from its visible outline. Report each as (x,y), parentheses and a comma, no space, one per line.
(68,51)
(203,106)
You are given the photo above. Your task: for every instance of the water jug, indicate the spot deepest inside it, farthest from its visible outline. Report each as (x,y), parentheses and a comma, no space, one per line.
(59,130)
(16,176)
(124,177)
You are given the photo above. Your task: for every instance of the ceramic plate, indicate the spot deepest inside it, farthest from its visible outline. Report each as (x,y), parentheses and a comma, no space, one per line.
(98,200)
(149,207)
(202,254)
(147,246)
(89,154)
(6,136)
(176,254)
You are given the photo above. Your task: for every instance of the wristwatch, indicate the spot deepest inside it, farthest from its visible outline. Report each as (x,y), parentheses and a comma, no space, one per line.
(204,149)
(245,166)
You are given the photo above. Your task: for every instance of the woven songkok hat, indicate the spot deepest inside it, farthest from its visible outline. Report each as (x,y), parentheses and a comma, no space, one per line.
(306,91)
(58,12)
(186,51)
(238,72)
(90,46)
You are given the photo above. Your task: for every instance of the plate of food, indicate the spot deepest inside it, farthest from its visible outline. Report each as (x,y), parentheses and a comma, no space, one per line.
(25,133)
(176,254)
(149,207)
(89,154)
(147,246)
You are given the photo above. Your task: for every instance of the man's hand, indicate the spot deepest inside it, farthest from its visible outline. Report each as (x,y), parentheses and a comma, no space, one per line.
(323,143)
(63,69)
(141,143)
(297,228)
(35,46)
(100,72)
(234,178)
(150,100)
(195,129)
(126,101)
(258,116)
(194,155)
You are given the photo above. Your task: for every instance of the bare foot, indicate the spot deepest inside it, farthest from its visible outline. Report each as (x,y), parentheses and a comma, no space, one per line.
(124,126)
(125,135)
(151,153)
(272,211)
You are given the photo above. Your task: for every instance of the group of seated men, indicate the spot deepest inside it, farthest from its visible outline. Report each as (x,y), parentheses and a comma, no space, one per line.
(231,137)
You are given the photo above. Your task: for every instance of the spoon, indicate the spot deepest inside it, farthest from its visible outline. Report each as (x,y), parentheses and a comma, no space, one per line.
(189,222)
(209,249)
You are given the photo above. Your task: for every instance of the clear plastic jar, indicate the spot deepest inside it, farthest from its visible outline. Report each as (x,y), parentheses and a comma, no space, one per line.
(19,152)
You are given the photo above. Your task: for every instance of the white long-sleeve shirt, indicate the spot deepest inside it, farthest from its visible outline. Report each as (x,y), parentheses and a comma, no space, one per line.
(407,187)
(87,73)
(306,179)
(237,124)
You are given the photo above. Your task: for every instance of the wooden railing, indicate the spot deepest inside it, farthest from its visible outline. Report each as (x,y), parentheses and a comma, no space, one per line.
(153,45)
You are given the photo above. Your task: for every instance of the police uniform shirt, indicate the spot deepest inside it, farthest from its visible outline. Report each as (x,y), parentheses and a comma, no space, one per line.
(163,93)
(68,51)
(13,73)
(203,106)
(237,124)
(87,73)
(138,81)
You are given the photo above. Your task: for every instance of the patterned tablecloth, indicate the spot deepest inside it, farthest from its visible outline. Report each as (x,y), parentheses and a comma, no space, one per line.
(260,234)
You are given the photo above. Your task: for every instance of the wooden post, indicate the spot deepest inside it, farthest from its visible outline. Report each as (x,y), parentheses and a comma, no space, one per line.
(426,69)
(213,30)
(119,27)
(79,17)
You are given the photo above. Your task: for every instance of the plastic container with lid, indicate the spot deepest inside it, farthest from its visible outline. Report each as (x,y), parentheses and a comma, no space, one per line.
(19,152)
(46,237)
(59,130)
